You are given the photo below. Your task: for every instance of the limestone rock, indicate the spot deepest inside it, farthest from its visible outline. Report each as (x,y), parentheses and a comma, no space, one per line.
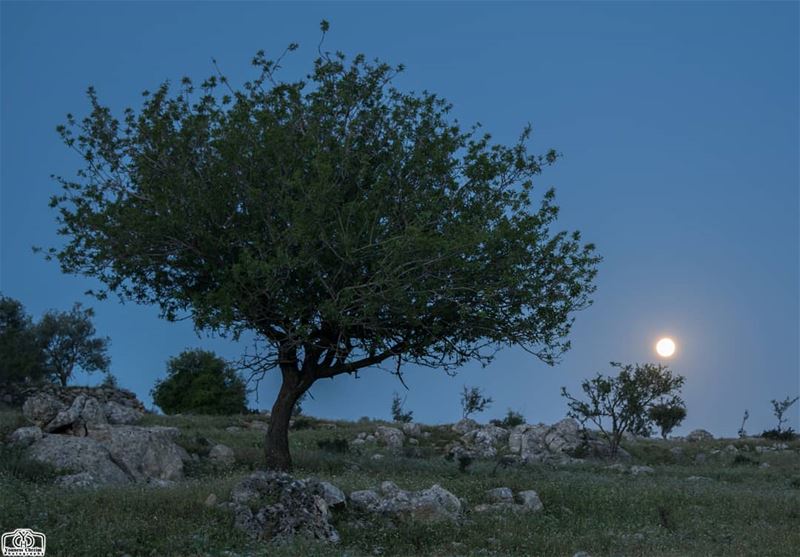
(222,456)
(41,408)
(465,426)
(145,452)
(529,499)
(120,414)
(79,454)
(412,429)
(699,435)
(25,436)
(428,505)
(390,436)
(500,495)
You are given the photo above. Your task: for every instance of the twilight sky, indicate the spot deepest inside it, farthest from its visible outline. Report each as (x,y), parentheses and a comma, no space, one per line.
(678,123)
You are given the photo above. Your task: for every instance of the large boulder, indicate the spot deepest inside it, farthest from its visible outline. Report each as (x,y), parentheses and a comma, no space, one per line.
(412,429)
(465,425)
(80,454)
(41,408)
(540,442)
(146,453)
(428,505)
(483,441)
(25,436)
(272,506)
(390,436)
(119,414)
(222,456)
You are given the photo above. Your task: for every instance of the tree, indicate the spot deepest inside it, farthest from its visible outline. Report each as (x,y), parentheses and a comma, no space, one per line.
(625,400)
(21,356)
(398,414)
(667,416)
(69,342)
(779,408)
(346,224)
(200,382)
(472,401)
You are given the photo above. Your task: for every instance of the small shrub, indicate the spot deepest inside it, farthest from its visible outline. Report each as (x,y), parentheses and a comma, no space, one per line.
(779,408)
(398,414)
(742,460)
(742,432)
(464,462)
(787,434)
(333,445)
(303,422)
(512,419)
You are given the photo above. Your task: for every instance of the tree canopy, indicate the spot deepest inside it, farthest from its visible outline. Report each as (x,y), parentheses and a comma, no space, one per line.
(342,220)
(200,382)
(21,356)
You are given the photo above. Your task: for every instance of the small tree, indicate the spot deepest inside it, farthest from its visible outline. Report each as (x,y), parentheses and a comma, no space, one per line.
(621,404)
(779,408)
(69,342)
(21,356)
(398,414)
(200,382)
(667,416)
(473,401)
(742,432)
(512,419)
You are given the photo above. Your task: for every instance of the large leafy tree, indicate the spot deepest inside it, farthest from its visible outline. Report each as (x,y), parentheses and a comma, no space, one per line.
(344,222)
(68,341)
(200,382)
(21,356)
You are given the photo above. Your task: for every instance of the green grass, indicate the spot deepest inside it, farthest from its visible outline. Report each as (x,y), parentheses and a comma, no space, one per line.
(742,510)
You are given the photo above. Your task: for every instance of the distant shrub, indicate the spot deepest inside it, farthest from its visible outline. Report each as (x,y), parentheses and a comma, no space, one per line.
(109,381)
(787,434)
(473,401)
(667,416)
(779,408)
(512,419)
(464,462)
(398,414)
(200,382)
(742,460)
(303,422)
(742,432)
(333,445)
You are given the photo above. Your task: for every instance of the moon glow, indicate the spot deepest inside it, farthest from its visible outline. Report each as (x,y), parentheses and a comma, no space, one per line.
(665,347)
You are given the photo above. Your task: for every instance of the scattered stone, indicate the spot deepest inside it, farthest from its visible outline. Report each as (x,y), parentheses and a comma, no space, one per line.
(211,500)
(272,506)
(390,436)
(413,441)
(412,429)
(25,436)
(258,424)
(764,465)
(428,505)
(699,435)
(637,470)
(357,442)
(731,449)
(369,438)
(222,456)
(377,456)
(529,500)
(333,496)
(500,495)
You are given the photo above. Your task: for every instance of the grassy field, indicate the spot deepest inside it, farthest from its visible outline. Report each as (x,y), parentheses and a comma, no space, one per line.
(741,508)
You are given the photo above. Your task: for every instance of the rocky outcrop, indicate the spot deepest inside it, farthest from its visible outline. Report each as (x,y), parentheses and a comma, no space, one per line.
(699,435)
(428,505)
(390,436)
(53,415)
(272,506)
(80,455)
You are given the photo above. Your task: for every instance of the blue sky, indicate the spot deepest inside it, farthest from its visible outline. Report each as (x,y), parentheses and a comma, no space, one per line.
(678,122)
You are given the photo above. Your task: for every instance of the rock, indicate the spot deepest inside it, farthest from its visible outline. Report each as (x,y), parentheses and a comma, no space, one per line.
(334,497)
(79,454)
(377,456)
(618,467)
(390,436)
(581,554)
(699,435)
(700,458)
(119,414)
(698,479)
(211,500)
(530,500)
(465,426)
(145,452)
(369,438)
(764,465)
(500,495)
(222,456)
(483,440)
(259,425)
(361,436)
(428,505)
(540,443)
(93,412)
(357,442)
(677,452)
(273,506)
(25,436)
(68,417)
(638,470)
(41,408)
(413,441)
(412,429)
(365,500)
(731,449)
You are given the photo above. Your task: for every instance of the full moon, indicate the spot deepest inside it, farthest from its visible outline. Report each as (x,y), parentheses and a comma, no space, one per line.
(665,347)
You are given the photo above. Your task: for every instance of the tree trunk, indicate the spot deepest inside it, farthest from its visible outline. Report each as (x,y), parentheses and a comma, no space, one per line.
(277,440)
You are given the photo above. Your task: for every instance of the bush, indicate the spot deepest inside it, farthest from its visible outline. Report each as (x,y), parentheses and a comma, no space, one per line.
(200,382)
(787,434)
(667,417)
(512,419)
(21,355)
